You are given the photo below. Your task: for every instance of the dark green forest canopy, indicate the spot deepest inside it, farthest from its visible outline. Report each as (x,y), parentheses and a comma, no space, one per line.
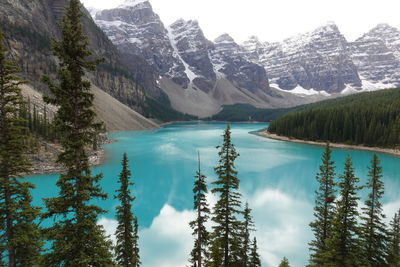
(371,119)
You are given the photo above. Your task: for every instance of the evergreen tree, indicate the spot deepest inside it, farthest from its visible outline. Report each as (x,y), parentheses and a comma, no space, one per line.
(324,208)
(373,227)
(28,235)
(136,250)
(216,252)
(20,239)
(226,231)
(76,239)
(393,258)
(343,245)
(126,250)
(284,262)
(248,226)
(254,259)
(200,233)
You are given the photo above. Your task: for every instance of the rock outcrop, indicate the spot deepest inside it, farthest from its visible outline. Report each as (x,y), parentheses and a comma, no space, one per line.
(319,60)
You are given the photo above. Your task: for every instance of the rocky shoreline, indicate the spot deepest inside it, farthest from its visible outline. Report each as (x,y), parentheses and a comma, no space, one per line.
(44,159)
(393,152)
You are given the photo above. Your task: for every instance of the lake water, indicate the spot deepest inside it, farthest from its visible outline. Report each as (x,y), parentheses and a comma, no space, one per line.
(277,179)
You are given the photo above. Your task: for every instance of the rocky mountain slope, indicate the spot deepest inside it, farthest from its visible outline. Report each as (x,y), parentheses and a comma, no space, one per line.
(323,61)
(318,60)
(29,27)
(199,76)
(377,57)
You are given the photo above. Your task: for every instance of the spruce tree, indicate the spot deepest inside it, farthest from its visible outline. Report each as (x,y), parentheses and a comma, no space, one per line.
(343,246)
(393,248)
(324,208)
(284,262)
(20,239)
(254,257)
(373,227)
(248,226)
(200,233)
(126,250)
(75,237)
(226,231)
(136,250)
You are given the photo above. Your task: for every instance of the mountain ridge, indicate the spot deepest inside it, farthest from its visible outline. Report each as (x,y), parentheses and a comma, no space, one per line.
(309,66)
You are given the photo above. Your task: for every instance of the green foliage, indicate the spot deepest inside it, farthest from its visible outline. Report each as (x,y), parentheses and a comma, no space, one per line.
(373,227)
(371,119)
(284,262)
(126,250)
(38,122)
(35,40)
(200,233)
(254,259)
(344,243)
(324,209)
(227,228)
(75,237)
(246,112)
(164,113)
(393,253)
(248,227)
(20,237)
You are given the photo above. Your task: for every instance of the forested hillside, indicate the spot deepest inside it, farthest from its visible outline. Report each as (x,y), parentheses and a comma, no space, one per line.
(371,119)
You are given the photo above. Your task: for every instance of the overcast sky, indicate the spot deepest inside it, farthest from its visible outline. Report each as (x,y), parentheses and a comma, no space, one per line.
(272,20)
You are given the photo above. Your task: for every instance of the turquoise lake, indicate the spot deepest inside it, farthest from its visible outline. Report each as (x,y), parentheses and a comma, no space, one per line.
(277,179)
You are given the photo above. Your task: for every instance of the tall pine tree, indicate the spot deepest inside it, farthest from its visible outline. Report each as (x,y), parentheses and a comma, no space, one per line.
(254,257)
(373,228)
(248,227)
(324,208)
(126,250)
(200,233)
(393,254)
(76,239)
(20,238)
(226,231)
(344,245)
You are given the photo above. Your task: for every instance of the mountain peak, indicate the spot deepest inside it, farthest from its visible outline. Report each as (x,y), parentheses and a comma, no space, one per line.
(181,21)
(382,31)
(384,27)
(254,39)
(133,3)
(224,38)
(328,26)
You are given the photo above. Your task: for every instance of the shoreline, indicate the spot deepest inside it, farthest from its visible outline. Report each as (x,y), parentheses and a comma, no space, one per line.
(266,134)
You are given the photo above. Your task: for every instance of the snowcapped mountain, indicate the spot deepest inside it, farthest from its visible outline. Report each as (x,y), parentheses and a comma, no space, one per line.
(199,75)
(319,60)
(377,57)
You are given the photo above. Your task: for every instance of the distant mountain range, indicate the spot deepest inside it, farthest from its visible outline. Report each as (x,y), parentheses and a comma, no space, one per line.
(158,70)
(200,75)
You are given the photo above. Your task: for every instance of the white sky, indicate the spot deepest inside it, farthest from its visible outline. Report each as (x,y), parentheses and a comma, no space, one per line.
(272,20)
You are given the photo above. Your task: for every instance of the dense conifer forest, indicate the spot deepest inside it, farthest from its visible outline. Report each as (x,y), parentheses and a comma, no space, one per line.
(370,119)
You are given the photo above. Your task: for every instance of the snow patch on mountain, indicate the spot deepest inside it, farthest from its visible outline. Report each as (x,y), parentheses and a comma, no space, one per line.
(189,73)
(298,90)
(132,3)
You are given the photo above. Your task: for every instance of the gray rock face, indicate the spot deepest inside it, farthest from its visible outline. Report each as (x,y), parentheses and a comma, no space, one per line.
(135,29)
(318,60)
(241,71)
(377,56)
(29,27)
(192,48)
(179,52)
